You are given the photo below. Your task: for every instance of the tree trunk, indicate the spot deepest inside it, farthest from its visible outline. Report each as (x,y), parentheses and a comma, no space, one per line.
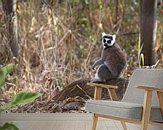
(148,30)
(9,7)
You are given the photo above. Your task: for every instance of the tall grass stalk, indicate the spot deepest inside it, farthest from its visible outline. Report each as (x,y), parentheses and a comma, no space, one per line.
(140,54)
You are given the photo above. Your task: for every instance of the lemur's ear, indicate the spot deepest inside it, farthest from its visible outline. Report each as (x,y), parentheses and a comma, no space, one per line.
(114,37)
(103,34)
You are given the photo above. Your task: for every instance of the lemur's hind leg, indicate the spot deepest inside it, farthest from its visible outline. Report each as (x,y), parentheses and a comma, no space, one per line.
(103,74)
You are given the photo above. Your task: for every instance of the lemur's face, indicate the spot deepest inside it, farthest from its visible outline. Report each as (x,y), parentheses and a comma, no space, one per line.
(108,40)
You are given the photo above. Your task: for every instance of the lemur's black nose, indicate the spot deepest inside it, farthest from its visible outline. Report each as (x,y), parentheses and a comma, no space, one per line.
(105,44)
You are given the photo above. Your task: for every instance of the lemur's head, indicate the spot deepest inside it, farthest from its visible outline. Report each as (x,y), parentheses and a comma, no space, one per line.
(108,40)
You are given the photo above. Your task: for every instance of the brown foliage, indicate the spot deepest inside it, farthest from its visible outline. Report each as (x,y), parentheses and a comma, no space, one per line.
(59,42)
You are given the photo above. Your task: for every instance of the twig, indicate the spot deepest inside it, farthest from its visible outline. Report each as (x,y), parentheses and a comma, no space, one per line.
(156,64)
(59,43)
(83,91)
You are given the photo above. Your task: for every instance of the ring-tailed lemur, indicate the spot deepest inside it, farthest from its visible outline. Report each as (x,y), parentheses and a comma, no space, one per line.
(112,61)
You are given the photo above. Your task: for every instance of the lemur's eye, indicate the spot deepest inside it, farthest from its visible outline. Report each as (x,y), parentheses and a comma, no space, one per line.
(109,41)
(104,40)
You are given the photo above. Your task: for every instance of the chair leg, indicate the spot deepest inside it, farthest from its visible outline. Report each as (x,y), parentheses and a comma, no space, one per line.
(124,125)
(144,126)
(146,109)
(160,98)
(94,122)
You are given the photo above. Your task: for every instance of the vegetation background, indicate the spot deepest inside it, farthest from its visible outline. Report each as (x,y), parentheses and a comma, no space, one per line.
(60,39)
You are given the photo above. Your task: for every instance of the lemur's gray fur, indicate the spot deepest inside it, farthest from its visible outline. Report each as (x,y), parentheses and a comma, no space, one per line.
(112,61)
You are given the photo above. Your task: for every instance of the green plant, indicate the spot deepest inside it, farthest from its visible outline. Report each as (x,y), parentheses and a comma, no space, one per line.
(8,126)
(4,72)
(21,98)
(140,54)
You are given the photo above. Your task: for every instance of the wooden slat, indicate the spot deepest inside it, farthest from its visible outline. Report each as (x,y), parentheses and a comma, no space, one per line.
(102,85)
(112,94)
(160,97)
(127,120)
(146,109)
(156,123)
(150,88)
(94,122)
(119,119)
(124,125)
(97,94)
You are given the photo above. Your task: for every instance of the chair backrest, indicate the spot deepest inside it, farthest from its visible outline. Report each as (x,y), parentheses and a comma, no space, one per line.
(143,77)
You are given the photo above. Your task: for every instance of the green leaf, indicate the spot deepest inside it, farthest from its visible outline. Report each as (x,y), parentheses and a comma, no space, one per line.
(23,98)
(4,72)
(8,126)
(5,107)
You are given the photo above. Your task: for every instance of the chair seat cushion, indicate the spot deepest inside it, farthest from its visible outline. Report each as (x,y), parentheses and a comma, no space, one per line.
(125,110)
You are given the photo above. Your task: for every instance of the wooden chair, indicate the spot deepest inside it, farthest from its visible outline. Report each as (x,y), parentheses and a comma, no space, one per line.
(137,106)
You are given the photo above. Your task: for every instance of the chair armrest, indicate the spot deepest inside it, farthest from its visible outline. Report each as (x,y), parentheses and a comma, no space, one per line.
(102,85)
(150,88)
